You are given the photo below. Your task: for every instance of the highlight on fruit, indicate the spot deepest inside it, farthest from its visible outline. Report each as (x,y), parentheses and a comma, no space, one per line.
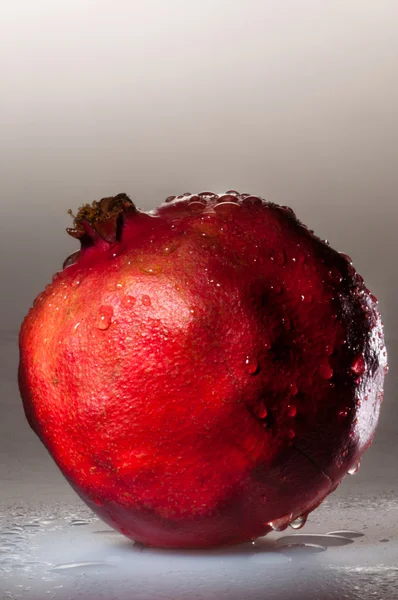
(205,372)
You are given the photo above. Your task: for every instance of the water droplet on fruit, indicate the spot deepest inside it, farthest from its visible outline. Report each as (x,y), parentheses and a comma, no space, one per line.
(252,200)
(252,366)
(71,259)
(208,195)
(299,522)
(342,414)
(76,281)
(346,257)
(227,198)
(261,411)
(291,434)
(358,365)
(278,257)
(326,371)
(335,276)
(104,318)
(196,203)
(146,301)
(293,389)
(354,469)
(301,258)
(291,410)
(280,524)
(129,301)
(275,527)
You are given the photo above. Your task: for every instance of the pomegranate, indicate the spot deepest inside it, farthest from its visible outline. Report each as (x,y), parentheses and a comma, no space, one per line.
(204,372)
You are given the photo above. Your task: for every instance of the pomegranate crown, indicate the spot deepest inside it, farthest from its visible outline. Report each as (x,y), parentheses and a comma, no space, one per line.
(101,219)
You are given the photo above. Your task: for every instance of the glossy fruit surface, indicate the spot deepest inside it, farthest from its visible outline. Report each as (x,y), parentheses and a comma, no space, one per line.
(205,372)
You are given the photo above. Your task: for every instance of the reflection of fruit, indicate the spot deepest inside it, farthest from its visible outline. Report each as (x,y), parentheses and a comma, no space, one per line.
(203,372)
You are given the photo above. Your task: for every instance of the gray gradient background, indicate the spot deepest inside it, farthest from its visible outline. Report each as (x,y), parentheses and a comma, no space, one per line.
(294,100)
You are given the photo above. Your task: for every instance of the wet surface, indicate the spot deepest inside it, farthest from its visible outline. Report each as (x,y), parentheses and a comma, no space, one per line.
(52,546)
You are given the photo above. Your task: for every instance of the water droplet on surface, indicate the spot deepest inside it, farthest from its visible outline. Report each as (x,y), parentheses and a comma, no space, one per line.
(104,318)
(291,410)
(346,533)
(342,414)
(146,301)
(354,469)
(314,538)
(299,522)
(80,566)
(293,389)
(46,521)
(326,371)
(358,365)
(298,550)
(107,532)
(252,366)
(78,522)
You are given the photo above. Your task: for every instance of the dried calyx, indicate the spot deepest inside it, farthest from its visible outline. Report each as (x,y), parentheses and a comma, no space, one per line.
(101,220)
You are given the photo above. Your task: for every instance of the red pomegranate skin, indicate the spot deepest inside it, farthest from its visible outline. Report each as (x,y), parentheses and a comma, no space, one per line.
(204,372)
